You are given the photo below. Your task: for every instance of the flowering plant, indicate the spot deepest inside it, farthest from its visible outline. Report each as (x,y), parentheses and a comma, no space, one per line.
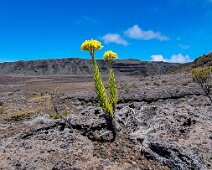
(106,103)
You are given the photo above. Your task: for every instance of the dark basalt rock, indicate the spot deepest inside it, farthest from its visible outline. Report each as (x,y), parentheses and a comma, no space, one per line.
(157,139)
(175,159)
(91,122)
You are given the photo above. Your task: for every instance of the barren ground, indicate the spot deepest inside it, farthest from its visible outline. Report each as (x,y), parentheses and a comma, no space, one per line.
(164,123)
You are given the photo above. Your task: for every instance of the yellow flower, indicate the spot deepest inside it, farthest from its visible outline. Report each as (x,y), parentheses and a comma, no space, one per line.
(91,45)
(109,55)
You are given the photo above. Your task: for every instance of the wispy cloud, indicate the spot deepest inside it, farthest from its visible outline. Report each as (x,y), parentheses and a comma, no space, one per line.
(88,19)
(83,20)
(135,32)
(114,38)
(184,46)
(178,38)
(175,58)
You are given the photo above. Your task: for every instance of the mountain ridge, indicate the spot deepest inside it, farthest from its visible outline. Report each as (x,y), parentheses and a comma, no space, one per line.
(77,66)
(203,61)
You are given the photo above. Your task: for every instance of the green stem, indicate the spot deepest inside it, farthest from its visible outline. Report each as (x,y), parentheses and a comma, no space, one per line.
(112,86)
(100,89)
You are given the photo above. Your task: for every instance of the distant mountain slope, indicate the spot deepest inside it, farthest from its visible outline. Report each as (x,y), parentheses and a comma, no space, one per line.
(75,66)
(203,61)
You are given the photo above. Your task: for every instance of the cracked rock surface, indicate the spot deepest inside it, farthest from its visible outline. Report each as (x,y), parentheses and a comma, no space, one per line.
(160,125)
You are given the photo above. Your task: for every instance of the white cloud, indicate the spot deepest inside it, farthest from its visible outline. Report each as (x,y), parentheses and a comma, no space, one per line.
(136,32)
(175,58)
(179,58)
(114,38)
(158,58)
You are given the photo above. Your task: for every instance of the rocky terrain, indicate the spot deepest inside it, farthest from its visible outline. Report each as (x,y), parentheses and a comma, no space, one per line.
(161,124)
(74,66)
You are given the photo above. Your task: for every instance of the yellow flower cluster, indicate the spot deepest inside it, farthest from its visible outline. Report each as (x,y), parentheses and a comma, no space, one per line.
(91,45)
(109,55)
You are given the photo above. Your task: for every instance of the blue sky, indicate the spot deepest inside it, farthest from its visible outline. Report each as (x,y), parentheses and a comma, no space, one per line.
(167,30)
